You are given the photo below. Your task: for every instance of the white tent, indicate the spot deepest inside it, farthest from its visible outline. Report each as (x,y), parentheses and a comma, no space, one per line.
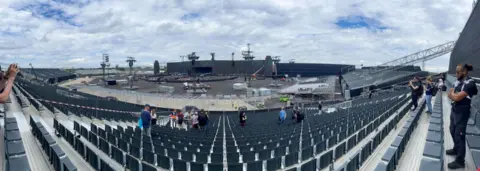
(239,86)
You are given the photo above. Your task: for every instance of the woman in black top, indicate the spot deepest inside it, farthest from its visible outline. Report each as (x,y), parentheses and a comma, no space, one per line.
(461,95)
(243,119)
(413,85)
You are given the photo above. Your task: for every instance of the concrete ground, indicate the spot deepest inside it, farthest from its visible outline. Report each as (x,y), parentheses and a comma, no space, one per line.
(218,87)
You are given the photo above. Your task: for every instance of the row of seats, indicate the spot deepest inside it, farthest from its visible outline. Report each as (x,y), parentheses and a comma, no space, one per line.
(394,152)
(433,151)
(16,159)
(87,112)
(338,132)
(19,97)
(288,154)
(130,152)
(363,154)
(64,95)
(56,155)
(51,75)
(178,164)
(85,151)
(356,79)
(31,100)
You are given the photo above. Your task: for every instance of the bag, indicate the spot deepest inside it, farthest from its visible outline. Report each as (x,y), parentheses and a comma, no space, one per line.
(140,123)
(434,90)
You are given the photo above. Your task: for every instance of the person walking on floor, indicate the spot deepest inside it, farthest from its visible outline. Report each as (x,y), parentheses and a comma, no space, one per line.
(282,116)
(243,118)
(428,94)
(461,96)
(146,120)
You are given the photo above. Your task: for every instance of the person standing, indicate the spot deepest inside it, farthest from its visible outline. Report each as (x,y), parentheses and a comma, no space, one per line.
(428,95)
(243,118)
(180,117)
(173,118)
(461,95)
(300,117)
(283,115)
(146,120)
(202,119)
(320,107)
(154,117)
(414,95)
(195,120)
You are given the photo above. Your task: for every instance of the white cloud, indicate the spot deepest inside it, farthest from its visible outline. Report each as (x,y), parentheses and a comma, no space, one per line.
(151,30)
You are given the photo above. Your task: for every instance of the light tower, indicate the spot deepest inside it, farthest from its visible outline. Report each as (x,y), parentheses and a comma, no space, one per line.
(247,55)
(213,56)
(276,60)
(103,64)
(130,61)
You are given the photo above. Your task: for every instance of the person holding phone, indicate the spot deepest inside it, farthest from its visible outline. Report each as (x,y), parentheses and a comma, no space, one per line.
(6,82)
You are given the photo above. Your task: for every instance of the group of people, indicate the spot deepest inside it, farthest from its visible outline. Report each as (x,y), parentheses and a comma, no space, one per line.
(297,115)
(176,117)
(199,119)
(461,97)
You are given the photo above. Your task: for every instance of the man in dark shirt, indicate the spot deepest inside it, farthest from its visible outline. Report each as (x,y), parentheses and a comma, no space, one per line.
(413,85)
(461,95)
(146,120)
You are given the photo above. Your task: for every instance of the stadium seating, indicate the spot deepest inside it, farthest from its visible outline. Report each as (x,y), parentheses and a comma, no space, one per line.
(433,151)
(393,154)
(50,75)
(14,149)
(263,143)
(55,154)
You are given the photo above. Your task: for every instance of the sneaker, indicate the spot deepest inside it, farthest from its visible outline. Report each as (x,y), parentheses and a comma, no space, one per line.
(451,152)
(455,165)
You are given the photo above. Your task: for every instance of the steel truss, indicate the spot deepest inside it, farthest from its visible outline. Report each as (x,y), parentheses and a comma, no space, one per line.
(423,55)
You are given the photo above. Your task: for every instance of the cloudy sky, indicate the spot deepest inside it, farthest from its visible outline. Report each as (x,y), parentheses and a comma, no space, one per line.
(75,33)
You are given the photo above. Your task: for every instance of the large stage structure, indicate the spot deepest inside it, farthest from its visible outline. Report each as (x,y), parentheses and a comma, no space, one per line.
(269,66)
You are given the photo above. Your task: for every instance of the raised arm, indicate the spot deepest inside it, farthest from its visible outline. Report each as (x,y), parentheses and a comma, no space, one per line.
(11,74)
(3,81)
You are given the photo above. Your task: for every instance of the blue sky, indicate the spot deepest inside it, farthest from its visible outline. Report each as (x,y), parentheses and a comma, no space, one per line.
(359,21)
(67,33)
